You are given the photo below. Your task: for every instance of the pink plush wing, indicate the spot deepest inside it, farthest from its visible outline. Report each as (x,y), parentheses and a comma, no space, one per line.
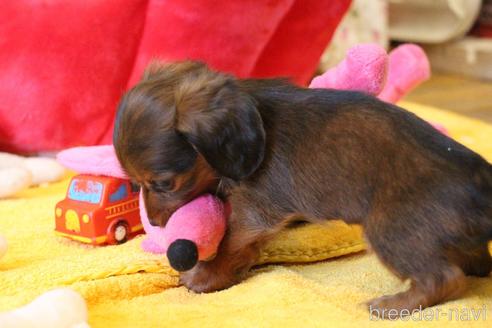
(363,69)
(408,67)
(97,160)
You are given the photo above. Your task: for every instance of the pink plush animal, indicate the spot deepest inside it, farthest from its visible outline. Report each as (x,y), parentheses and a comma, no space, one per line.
(195,230)
(408,66)
(363,69)
(369,69)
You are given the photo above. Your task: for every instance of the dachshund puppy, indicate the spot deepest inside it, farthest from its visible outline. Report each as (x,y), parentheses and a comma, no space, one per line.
(276,152)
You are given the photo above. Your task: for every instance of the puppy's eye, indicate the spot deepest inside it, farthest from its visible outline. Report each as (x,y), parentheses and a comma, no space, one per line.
(162,185)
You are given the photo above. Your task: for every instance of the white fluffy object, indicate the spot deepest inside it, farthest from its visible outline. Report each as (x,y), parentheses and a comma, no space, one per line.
(44,169)
(10,160)
(18,173)
(58,308)
(13,180)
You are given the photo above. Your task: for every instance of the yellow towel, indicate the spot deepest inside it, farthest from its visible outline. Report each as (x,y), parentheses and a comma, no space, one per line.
(125,287)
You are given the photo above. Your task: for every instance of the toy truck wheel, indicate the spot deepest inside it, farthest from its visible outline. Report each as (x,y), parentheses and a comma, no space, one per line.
(119,233)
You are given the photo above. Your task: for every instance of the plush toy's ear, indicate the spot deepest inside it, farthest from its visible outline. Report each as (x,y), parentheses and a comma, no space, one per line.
(226,128)
(98,160)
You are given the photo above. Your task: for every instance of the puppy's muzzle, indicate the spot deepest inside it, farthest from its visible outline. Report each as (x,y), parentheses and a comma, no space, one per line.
(160,218)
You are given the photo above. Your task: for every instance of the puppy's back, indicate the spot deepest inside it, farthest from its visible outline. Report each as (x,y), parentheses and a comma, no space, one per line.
(353,147)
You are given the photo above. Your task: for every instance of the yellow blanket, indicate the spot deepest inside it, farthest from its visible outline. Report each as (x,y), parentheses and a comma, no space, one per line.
(125,287)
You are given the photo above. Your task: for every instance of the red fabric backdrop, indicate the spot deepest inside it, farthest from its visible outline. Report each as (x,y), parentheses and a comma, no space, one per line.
(65,64)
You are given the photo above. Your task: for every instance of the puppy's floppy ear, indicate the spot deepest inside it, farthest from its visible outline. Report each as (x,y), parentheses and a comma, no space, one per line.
(224,125)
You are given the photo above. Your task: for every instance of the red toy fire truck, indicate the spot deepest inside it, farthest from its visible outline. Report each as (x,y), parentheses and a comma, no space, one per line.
(99,210)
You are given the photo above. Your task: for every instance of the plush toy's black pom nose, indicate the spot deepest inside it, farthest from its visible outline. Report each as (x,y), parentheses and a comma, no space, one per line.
(182,254)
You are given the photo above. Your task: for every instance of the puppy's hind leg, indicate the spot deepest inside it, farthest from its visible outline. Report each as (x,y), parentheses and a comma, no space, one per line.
(411,250)
(425,290)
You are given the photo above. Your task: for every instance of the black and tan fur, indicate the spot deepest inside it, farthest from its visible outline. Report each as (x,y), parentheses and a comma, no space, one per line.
(276,151)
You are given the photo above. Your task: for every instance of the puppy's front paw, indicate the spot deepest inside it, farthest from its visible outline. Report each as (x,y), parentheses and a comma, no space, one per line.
(204,278)
(393,307)
(383,308)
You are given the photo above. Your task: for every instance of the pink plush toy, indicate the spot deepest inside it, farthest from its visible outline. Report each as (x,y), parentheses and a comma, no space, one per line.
(369,69)
(195,230)
(192,233)
(363,69)
(408,67)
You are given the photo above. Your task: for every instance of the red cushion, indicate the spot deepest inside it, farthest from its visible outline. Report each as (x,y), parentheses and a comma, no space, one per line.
(229,35)
(297,45)
(63,66)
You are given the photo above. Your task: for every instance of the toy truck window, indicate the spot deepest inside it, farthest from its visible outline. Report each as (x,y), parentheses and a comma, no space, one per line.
(85,191)
(120,194)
